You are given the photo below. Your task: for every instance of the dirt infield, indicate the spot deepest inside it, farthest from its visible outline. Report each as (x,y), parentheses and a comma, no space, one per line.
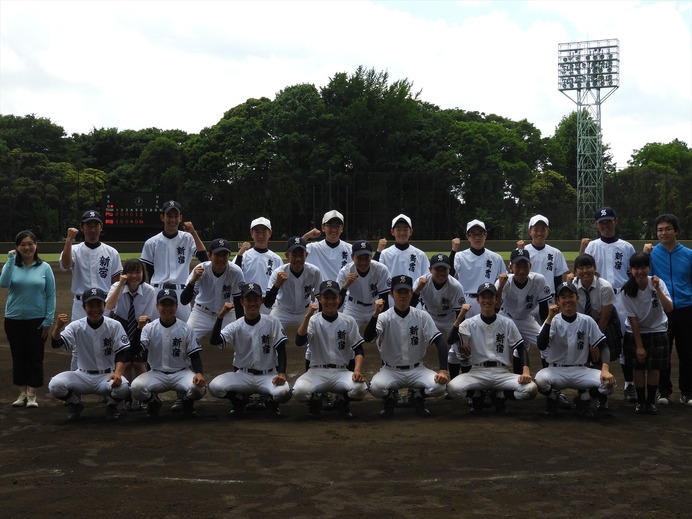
(449,465)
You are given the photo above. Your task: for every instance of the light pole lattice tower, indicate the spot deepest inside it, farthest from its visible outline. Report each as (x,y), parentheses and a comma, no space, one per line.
(588,73)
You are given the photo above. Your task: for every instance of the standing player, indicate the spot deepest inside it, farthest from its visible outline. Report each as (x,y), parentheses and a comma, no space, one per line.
(331,254)
(362,282)
(612,256)
(93,264)
(672,263)
(258,263)
(101,346)
(403,334)
(334,339)
(569,338)
(170,345)
(167,255)
(259,358)
(545,259)
(213,283)
(444,299)
(489,339)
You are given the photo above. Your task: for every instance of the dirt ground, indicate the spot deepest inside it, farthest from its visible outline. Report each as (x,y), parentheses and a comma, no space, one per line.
(449,465)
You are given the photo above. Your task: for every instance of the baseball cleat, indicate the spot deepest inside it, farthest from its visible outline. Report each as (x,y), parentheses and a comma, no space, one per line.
(75,411)
(112,413)
(178,404)
(153,406)
(640,408)
(419,406)
(550,407)
(388,409)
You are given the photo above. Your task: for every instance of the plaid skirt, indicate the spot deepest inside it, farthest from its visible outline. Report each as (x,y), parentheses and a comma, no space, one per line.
(657,352)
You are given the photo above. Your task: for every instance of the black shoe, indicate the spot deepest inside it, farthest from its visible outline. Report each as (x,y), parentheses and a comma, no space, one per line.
(419,406)
(153,406)
(341,405)
(326,401)
(487,399)
(239,403)
(500,407)
(477,405)
(189,408)
(584,409)
(272,408)
(112,413)
(178,404)
(388,410)
(602,403)
(315,407)
(550,407)
(640,408)
(75,411)
(562,402)
(651,409)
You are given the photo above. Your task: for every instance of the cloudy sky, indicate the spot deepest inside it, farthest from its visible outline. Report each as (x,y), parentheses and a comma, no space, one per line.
(181,64)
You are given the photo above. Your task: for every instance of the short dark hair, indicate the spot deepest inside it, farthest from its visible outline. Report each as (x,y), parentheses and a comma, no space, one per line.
(18,239)
(668,218)
(133,265)
(638,259)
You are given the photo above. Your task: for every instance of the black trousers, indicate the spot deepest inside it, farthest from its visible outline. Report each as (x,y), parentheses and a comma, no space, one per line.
(680,332)
(26,345)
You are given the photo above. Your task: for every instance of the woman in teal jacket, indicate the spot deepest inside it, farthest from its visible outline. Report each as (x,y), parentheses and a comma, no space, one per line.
(28,314)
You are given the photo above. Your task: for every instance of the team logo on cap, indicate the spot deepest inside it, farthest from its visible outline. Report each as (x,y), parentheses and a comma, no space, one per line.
(486,286)
(363,245)
(603,212)
(329,284)
(94,292)
(171,204)
(221,243)
(92,213)
(166,292)
(402,279)
(250,286)
(296,240)
(440,257)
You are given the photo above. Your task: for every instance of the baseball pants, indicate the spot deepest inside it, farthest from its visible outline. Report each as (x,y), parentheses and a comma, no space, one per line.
(493,379)
(82,383)
(247,383)
(328,380)
(390,379)
(159,382)
(577,377)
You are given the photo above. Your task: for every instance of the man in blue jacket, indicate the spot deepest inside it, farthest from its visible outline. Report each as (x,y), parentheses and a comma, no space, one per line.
(672,262)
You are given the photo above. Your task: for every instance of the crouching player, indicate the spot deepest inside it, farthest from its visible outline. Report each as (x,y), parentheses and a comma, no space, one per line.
(169,343)
(259,358)
(333,338)
(568,339)
(100,345)
(490,340)
(403,334)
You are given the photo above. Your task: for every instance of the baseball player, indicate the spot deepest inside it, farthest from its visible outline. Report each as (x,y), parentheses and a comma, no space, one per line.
(331,254)
(362,282)
(334,339)
(645,301)
(212,284)
(403,334)
(489,340)
(127,301)
(568,338)
(92,263)
(101,345)
(612,257)
(259,358)
(167,255)
(258,262)
(519,294)
(473,267)
(545,259)
(171,345)
(443,296)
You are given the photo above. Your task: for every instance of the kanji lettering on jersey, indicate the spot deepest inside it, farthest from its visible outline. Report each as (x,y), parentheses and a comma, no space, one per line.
(107,346)
(412,263)
(413,333)
(181,255)
(177,343)
(226,291)
(500,343)
(104,263)
(266,347)
(580,340)
(341,339)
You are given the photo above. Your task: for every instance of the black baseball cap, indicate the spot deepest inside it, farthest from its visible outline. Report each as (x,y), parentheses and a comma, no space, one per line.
(487,287)
(93,293)
(518,255)
(296,242)
(250,288)
(170,205)
(218,245)
(87,216)
(604,213)
(329,286)
(167,294)
(566,286)
(440,260)
(402,281)
(361,247)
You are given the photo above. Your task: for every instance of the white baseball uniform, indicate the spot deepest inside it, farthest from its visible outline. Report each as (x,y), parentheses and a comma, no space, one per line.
(168,349)
(647,309)
(519,303)
(472,270)
(91,268)
(332,343)
(258,267)
(365,290)
(171,259)
(442,303)
(295,294)
(95,349)
(492,345)
(255,358)
(549,262)
(568,355)
(402,342)
(329,260)
(211,292)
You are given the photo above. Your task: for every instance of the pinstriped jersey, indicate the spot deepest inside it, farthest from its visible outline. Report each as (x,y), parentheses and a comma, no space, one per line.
(95,349)
(570,342)
(367,288)
(472,270)
(329,260)
(169,347)
(296,293)
(333,342)
(444,303)
(404,340)
(213,291)
(519,303)
(258,267)
(411,261)
(549,262)
(254,346)
(93,268)
(612,260)
(170,257)
(490,342)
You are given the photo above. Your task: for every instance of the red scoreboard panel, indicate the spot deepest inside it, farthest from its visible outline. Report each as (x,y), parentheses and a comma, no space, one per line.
(132,215)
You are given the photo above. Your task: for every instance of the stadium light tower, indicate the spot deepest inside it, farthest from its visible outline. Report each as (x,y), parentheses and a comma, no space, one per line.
(588,73)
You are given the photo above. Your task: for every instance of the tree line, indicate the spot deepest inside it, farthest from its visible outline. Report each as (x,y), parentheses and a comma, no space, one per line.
(362,144)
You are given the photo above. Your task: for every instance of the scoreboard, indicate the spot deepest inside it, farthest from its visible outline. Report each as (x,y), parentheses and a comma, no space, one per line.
(132,216)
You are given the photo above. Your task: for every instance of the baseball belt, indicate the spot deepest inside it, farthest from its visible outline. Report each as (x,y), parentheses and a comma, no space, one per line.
(410,366)
(95,371)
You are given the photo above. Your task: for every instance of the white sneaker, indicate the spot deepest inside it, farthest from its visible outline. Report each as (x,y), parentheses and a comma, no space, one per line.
(31,401)
(663,400)
(21,400)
